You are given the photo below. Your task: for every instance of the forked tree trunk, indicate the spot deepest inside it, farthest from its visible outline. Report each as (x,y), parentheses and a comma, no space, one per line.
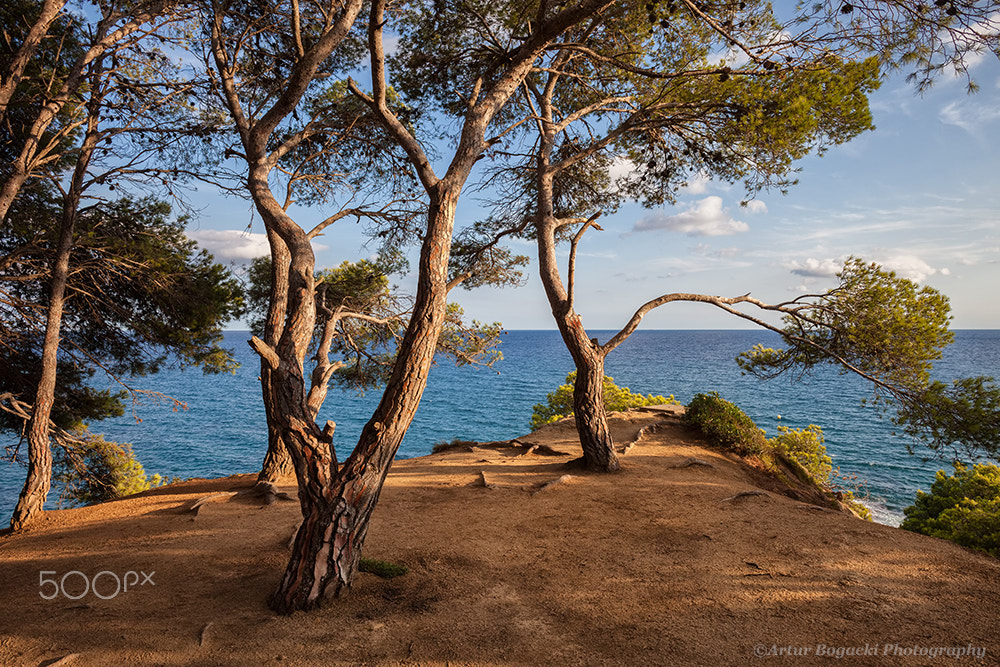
(337,504)
(588,357)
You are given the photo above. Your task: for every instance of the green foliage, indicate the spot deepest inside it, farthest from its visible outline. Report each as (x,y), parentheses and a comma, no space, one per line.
(963,508)
(469,342)
(963,418)
(885,326)
(725,424)
(382,568)
(806,448)
(96,470)
(889,330)
(559,403)
(139,293)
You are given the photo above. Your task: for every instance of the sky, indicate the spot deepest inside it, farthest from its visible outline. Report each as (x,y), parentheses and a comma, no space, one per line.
(920,195)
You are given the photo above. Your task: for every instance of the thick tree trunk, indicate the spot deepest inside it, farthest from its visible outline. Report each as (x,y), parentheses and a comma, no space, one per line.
(589,413)
(31,501)
(336,507)
(277,464)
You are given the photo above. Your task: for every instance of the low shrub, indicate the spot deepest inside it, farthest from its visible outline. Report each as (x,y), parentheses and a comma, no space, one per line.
(806,448)
(963,508)
(559,403)
(97,470)
(725,424)
(456,443)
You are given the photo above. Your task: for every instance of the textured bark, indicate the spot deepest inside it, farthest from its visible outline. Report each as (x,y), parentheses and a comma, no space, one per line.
(26,49)
(588,356)
(277,461)
(589,413)
(31,501)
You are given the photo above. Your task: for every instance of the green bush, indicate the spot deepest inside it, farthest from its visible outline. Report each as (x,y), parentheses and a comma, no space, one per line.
(963,508)
(98,470)
(806,448)
(559,403)
(725,424)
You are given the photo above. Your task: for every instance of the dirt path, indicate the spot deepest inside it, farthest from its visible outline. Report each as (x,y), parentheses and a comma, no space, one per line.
(664,563)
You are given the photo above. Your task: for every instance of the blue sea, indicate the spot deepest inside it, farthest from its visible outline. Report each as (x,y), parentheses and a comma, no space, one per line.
(222,430)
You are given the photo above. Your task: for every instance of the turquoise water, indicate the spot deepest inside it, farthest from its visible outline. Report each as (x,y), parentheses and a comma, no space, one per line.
(222,430)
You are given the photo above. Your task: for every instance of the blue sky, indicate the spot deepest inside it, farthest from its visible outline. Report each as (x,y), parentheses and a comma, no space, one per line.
(920,195)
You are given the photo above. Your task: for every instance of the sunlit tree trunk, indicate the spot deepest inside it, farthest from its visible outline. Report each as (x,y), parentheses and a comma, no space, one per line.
(337,504)
(588,357)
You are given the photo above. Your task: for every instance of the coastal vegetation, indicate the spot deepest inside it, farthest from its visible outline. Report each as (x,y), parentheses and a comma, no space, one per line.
(800,450)
(559,403)
(963,507)
(725,424)
(96,470)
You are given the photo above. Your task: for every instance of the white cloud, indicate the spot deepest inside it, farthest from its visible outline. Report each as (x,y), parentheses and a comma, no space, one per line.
(704,218)
(911,267)
(756,206)
(816,268)
(697,185)
(969,116)
(620,168)
(232,244)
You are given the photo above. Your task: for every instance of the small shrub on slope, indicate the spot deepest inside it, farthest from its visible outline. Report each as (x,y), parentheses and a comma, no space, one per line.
(98,470)
(806,448)
(725,424)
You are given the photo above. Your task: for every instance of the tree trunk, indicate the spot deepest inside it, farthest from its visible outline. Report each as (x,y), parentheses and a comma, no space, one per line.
(36,486)
(589,413)
(277,461)
(277,464)
(336,508)
(588,357)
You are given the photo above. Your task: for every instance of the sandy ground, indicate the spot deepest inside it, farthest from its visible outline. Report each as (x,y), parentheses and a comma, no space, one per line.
(660,564)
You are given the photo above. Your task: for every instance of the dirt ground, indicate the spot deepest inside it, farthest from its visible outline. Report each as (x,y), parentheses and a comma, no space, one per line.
(668,562)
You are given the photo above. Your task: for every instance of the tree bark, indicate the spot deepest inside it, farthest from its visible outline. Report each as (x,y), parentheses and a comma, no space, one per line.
(588,408)
(277,461)
(31,501)
(588,356)
(336,515)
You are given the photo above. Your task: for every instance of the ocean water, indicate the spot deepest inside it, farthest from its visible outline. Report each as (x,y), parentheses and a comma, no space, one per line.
(221,431)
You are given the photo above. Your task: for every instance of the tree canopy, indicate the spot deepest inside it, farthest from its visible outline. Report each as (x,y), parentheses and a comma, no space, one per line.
(140,294)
